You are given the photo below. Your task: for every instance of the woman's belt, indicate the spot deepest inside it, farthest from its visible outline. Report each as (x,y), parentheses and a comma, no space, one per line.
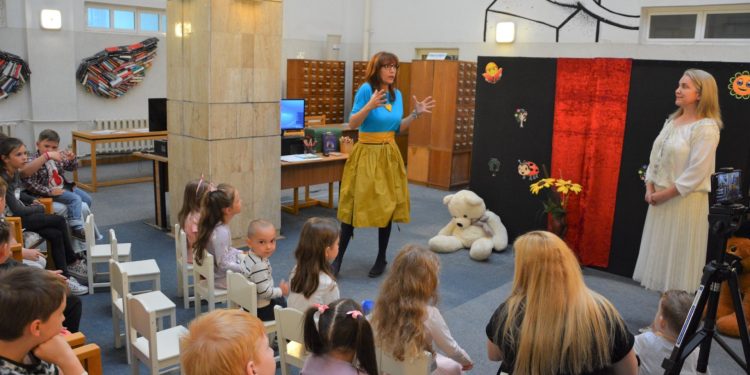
(376,138)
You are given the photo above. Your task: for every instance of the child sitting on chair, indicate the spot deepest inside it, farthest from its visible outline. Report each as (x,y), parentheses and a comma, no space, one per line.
(226,342)
(340,340)
(49,181)
(32,302)
(652,347)
(261,239)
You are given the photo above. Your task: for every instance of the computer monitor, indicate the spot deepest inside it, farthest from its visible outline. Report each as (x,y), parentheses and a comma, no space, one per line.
(292,115)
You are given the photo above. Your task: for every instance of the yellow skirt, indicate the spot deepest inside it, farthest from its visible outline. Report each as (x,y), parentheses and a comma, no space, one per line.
(374,190)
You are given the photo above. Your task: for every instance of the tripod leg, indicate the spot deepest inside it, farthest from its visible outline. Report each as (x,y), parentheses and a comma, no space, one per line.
(709,325)
(689,339)
(739,313)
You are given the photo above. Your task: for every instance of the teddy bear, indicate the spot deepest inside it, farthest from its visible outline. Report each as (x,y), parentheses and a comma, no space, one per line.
(726,321)
(472,226)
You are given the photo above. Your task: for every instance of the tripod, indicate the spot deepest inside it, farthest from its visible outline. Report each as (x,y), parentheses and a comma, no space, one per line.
(723,221)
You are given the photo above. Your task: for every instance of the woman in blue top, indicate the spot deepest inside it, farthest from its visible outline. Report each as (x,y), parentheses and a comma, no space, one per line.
(374,190)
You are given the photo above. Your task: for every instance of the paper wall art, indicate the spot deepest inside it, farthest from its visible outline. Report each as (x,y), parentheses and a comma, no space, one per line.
(14,73)
(115,70)
(739,85)
(521,115)
(492,73)
(494,166)
(528,169)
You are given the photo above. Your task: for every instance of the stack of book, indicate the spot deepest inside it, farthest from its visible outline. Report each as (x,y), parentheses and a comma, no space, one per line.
(14,73)
(112,72)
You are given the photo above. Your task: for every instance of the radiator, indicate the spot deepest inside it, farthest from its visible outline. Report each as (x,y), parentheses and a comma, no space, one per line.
(7,128)
(123,147)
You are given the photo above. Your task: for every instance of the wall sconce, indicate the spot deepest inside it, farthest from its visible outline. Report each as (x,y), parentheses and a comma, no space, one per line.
(505,32)
(51,19)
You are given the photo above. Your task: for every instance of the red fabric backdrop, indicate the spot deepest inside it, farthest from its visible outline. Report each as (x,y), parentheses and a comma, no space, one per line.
(591,101)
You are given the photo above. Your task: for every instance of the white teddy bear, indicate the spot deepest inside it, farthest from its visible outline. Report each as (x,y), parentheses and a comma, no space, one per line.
(472,227)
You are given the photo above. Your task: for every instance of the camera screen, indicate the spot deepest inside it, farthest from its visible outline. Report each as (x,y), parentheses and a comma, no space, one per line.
(727,187)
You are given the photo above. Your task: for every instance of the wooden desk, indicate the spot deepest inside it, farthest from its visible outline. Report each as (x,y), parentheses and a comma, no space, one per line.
(161,187)
(96,137)
(311,172)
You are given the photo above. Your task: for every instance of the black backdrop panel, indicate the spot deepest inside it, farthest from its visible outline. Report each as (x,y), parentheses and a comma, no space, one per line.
(527,83)
(650,101)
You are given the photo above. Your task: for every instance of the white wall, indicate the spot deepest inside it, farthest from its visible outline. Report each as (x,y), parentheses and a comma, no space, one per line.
(53,98)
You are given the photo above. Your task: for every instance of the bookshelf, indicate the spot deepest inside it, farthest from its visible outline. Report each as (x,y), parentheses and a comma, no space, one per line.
(440,144)
(14,73)
(321,84)
(114,71)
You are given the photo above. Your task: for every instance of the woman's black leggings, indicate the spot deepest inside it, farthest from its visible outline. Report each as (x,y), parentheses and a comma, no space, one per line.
(54,229)
(347,231)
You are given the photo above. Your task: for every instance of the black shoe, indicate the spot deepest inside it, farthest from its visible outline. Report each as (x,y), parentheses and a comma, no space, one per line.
(78,234)
(377,269)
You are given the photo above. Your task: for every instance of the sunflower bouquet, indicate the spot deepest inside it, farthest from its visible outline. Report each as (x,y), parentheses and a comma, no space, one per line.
(557,200)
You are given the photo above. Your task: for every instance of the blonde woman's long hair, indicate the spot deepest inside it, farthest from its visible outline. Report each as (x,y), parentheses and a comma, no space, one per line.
(564,326)
(401,307)
(708,104)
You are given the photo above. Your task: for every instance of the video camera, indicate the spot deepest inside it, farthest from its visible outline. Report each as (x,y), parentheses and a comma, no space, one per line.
(726,187)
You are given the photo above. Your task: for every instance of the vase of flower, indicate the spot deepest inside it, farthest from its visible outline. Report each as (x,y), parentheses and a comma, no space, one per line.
(558,224)
(556,204)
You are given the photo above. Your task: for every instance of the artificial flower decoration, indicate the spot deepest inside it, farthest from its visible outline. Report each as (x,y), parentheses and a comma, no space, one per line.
(557,200)
(521,115)
(739,85)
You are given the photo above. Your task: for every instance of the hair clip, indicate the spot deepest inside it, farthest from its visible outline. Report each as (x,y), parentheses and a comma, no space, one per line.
(356,314)
(198,188)
(321,308)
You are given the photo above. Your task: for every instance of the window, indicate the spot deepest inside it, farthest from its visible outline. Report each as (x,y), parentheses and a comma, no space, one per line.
(713,23)
(728,26)
(149,21)
(105,17)
(124,19)
(98,18)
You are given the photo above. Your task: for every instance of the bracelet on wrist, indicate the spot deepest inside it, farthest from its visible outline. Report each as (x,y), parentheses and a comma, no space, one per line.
(415,114)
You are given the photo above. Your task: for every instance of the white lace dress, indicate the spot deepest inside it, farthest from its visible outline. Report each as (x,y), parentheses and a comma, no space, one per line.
(675,235)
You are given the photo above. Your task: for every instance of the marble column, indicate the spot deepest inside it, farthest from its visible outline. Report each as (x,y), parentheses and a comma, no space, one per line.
(223,91)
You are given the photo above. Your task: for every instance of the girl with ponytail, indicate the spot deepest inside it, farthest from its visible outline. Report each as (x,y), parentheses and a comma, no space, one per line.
(217,210)
(340,339)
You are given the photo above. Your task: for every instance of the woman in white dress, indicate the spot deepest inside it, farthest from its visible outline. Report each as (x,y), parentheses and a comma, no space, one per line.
(678,180)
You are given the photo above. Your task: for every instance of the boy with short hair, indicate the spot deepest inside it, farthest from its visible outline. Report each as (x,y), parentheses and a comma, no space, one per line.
(261,239)
(32,302)
(49,181)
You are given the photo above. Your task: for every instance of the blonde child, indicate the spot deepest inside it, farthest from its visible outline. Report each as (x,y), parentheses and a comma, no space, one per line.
(340,340)
(261,239)
(226,342)
(655,345)
(217,210)
(312,280)
(405,318)
(190,213)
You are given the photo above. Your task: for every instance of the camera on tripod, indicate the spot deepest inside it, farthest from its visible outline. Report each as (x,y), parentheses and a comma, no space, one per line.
(726,192)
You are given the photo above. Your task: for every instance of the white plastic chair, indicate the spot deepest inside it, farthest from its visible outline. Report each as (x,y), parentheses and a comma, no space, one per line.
(290,335)
(205,288)
(120,287)
(100,253)
(157,349)
(139,270)
(184,269)
(388,365)
(242,292)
